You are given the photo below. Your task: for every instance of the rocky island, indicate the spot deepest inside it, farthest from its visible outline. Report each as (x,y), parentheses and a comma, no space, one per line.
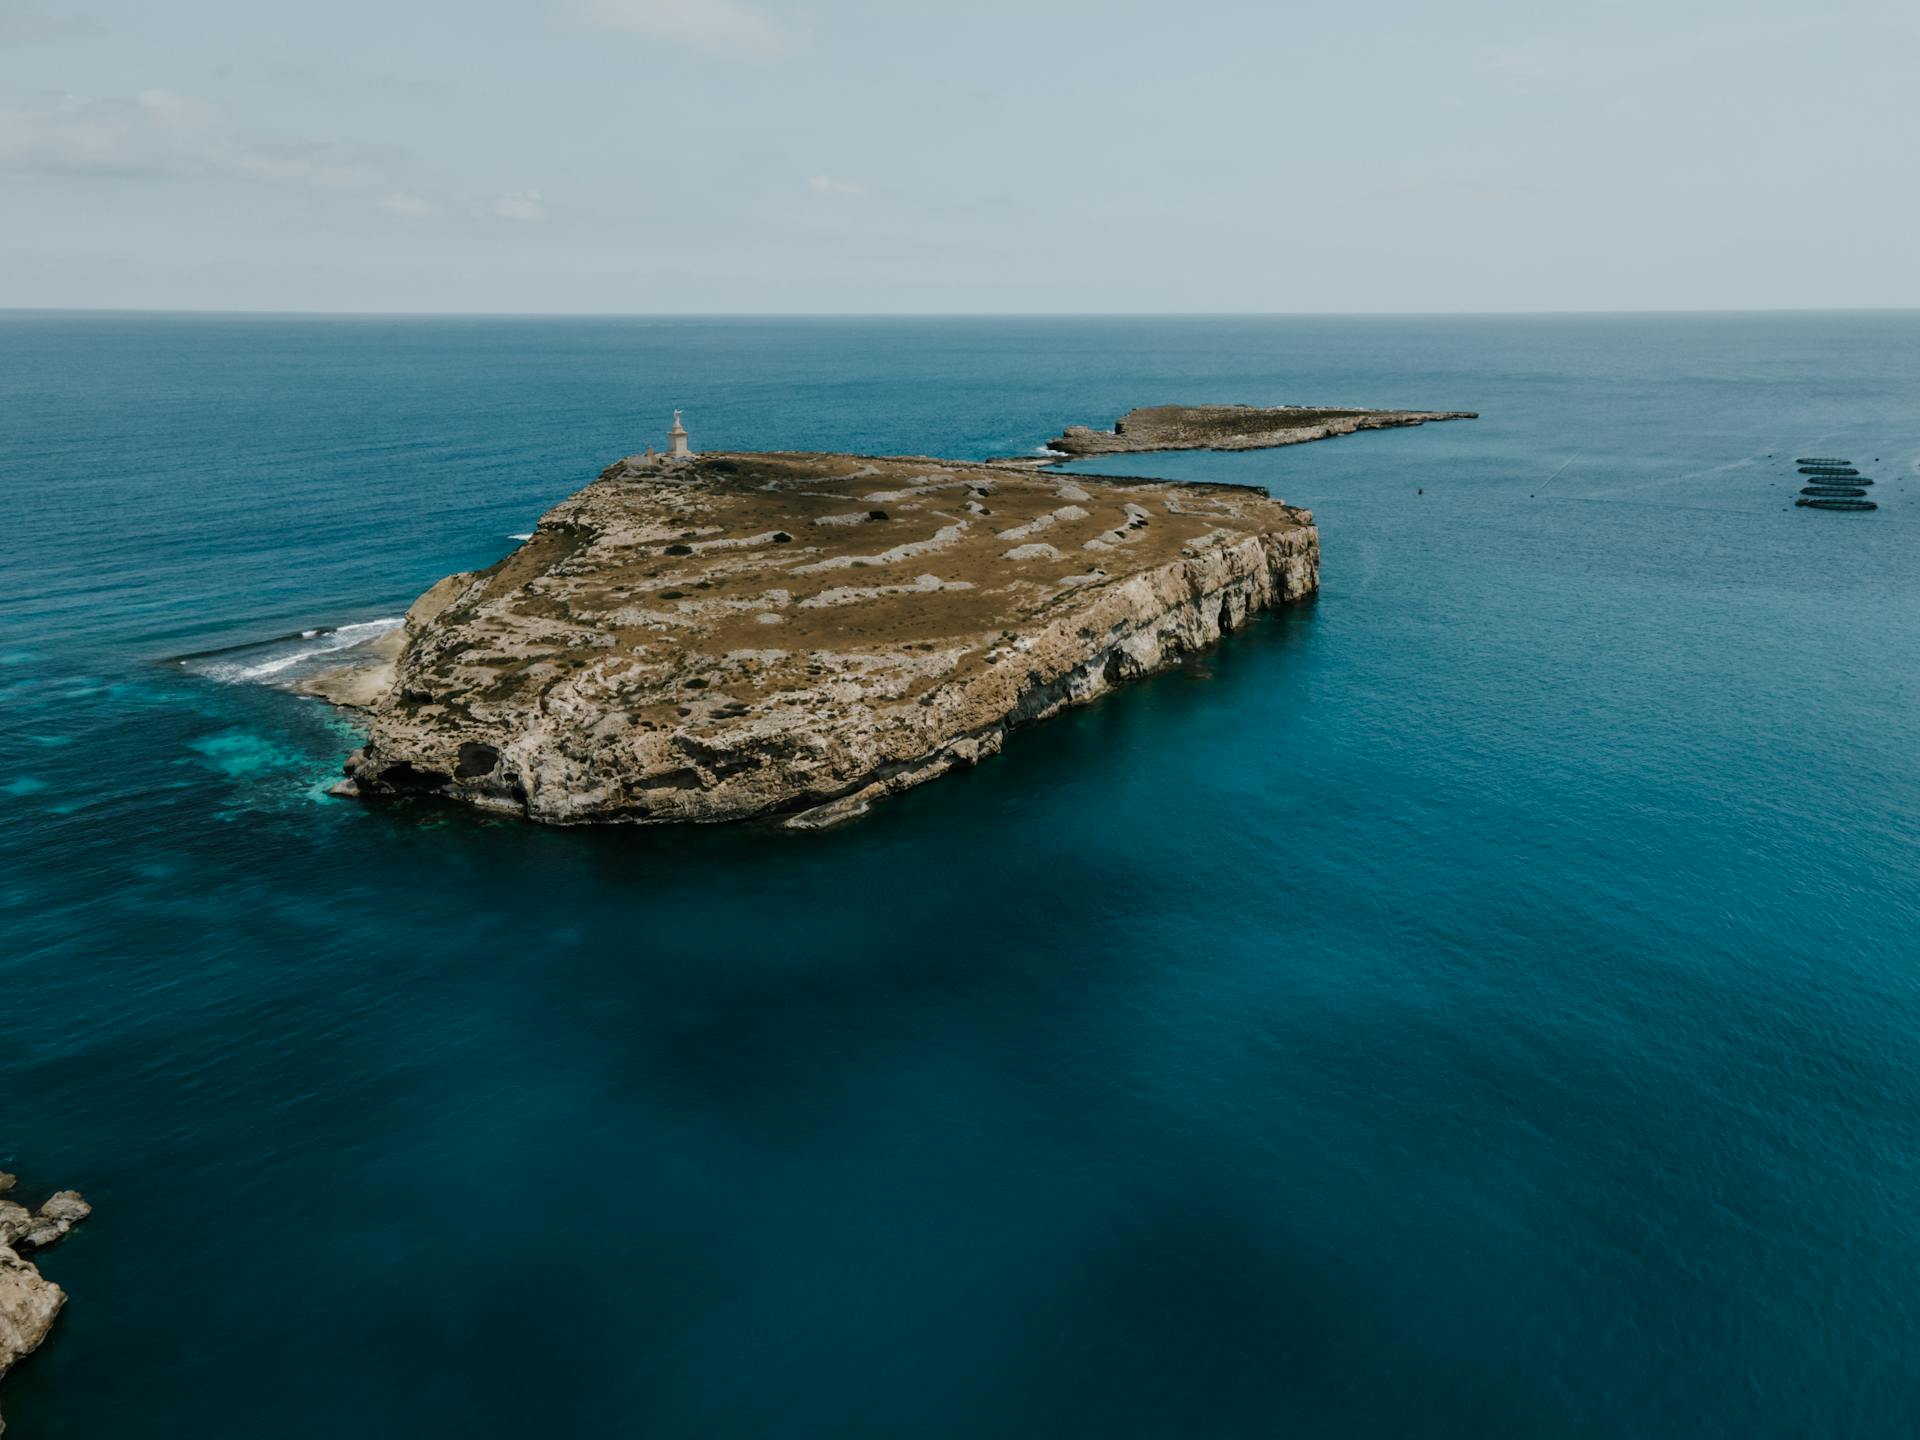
(1233,427)
(793,636)
(29,1302)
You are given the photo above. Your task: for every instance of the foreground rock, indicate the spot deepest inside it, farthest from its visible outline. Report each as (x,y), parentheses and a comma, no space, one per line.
(1233,427)
(29,1302)
(797,635)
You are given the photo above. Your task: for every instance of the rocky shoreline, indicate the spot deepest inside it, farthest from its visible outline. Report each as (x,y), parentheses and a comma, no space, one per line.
(29,1302)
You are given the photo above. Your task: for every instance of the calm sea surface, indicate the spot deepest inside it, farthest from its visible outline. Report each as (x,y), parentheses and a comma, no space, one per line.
(1484,1002)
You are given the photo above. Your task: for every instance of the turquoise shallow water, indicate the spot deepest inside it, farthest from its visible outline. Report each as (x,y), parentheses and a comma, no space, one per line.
(1482,1002)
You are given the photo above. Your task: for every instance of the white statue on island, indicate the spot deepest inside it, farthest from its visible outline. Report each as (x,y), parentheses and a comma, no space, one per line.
(677,440)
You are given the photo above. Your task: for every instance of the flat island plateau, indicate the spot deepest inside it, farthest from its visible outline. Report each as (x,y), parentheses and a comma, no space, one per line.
(792,636)
(1232,427)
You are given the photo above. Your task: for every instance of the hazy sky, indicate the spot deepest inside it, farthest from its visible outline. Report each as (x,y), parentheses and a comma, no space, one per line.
(993,155)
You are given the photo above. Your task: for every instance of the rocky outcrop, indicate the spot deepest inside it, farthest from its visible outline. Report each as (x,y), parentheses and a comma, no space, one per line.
(798,635)
(1233,427)
(29,1302)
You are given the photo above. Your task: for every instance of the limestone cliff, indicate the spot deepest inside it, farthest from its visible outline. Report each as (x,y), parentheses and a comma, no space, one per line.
(796,635)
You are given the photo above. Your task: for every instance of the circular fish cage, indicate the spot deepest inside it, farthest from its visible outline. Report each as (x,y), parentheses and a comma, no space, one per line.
(1821,504)
(1832,491)
(1821,460)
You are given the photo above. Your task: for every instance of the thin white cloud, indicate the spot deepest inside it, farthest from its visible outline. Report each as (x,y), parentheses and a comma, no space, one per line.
(827,185)
(161,137)
(724,27)
(1451,188)
(22,26)
(413,207)
(520,205)
(1606,60)
(1516,58)
(158,133)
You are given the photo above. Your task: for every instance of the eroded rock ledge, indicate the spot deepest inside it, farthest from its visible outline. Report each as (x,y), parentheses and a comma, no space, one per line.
(1233,427)
(797,635)
(29,1302)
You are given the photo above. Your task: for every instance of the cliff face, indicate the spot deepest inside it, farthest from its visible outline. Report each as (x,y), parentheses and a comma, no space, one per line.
(1233,427)
(28,1304)
(799,635)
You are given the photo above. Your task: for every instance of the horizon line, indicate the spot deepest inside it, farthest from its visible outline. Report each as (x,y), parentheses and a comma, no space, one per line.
(265,313)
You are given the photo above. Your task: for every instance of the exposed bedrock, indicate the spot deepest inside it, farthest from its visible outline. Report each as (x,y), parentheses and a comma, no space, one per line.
(799,635)
(29,1302)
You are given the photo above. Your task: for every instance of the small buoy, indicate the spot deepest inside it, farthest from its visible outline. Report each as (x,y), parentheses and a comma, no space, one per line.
(1420,492)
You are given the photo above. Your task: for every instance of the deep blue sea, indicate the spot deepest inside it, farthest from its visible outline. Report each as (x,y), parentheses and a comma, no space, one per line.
(1482,1002)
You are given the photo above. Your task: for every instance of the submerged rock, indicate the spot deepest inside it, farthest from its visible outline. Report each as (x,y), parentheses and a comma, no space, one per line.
(797,635)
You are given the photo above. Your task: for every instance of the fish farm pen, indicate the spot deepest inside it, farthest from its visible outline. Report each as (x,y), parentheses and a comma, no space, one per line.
(1833,483)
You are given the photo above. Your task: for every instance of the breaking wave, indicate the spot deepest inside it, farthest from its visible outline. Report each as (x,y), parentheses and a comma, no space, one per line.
(284,658)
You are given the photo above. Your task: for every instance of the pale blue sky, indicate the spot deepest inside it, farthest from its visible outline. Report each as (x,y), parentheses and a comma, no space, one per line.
(1047,155)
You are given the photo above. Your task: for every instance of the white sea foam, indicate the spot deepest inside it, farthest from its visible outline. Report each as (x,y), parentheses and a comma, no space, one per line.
(527,536)
(264,662)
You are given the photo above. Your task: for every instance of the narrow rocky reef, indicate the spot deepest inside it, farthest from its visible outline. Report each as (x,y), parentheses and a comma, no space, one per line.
(29,1302)
(1233,427)
(794,636)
